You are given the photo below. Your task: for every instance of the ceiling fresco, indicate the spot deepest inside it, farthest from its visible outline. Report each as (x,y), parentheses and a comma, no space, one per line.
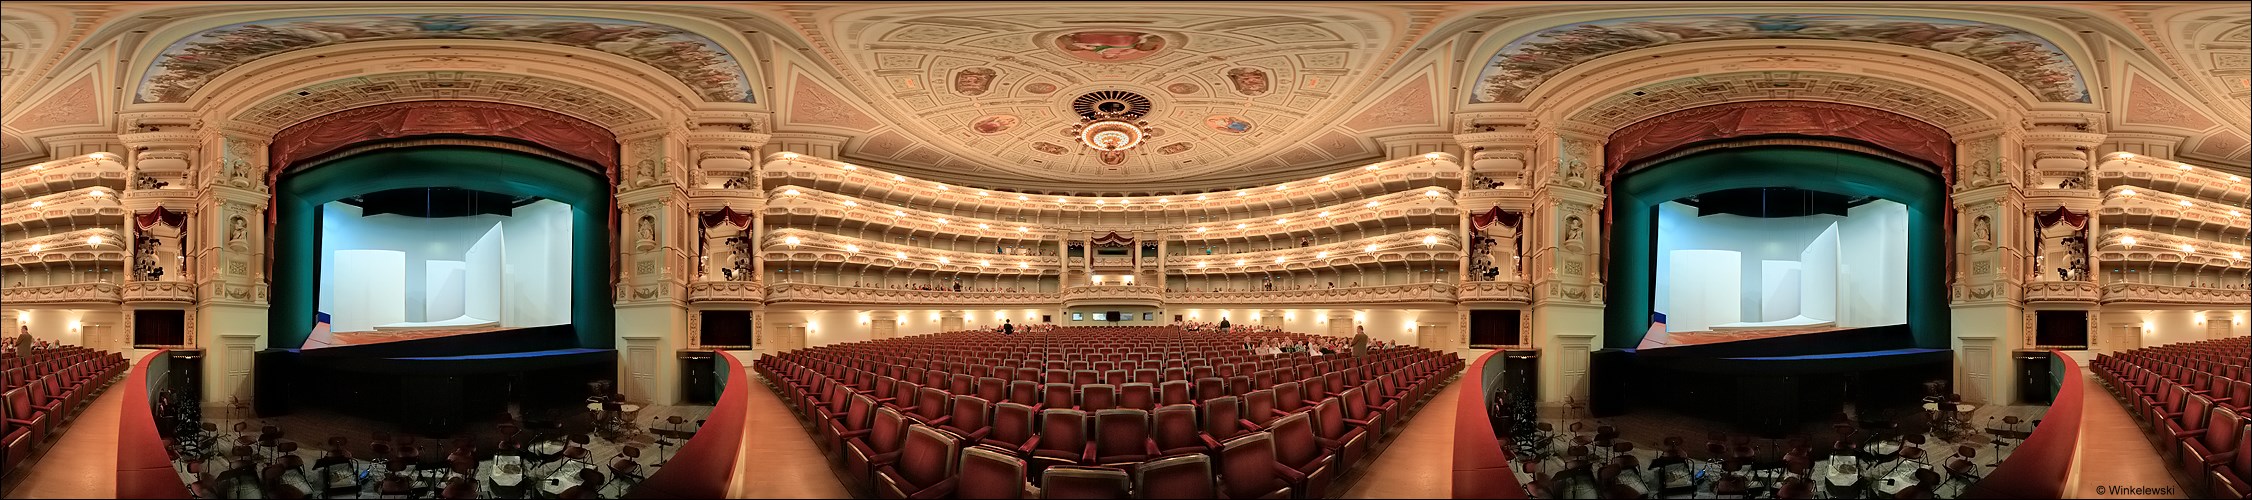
(1229,87)
(1526,62)
(191,62)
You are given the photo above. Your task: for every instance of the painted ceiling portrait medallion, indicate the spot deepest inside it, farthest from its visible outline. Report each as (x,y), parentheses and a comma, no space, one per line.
(1109,46)
(1228,123)
(974,81)
(993,124)
(1249,81)
(1041,88)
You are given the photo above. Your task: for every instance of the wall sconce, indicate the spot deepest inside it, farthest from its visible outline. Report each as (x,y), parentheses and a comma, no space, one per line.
(74,326)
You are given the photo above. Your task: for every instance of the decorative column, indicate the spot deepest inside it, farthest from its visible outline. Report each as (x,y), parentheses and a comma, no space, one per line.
(1990,234)
(1563,234)
(656,260)
(231,256)
(2061,205)
(159,190)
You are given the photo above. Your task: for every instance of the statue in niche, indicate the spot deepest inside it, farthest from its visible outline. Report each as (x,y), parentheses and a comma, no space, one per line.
(645,235)
(1573,232)
(1574,171)
(238,233)
(646,171)
(1982,233)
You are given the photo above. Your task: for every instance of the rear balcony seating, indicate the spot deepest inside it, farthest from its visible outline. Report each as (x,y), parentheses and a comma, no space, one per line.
(2193,396)
(1154,407)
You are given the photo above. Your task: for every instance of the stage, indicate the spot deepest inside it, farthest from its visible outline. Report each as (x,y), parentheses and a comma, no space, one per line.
(1774,380)
(436,384)
(1659,338)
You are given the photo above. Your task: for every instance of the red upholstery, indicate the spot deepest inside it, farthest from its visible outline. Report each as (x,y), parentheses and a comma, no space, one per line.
(1122,437)
(1084,482)
(1011,428)
(2210,446)
(1138,396)
(968,419)
(1184,476)
(1259,409)
(1289,398)
(1097,397)
(1173,429)
(1058,396)
(992,389)
(853,422)
(1062,440)
(1359,413)
(1248,468)
(2229,481)
(989,472)
(1348,441)
(22,413)
(931,407)
(878,447)
(926,466)
(1206,388)
(1309,467)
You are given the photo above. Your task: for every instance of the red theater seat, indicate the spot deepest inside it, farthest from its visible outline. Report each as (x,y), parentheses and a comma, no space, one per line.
(926,466)
(878,447)
(1308,468)
(989,472)
(1348,441)
(1184,476)
(1122,438)
(968,419)
(1085,482)
(1248,468)
(1062,440)
(1173,428)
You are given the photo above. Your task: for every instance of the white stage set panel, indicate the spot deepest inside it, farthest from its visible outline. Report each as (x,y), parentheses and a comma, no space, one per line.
(1706,289)
(479,271)
(374,291)
(1811,271)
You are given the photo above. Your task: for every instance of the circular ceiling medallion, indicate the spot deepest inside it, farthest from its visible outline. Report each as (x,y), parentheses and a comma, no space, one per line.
(994,124)
(1111,104)
(1228,123)
(1182,88)
(1109,46)
(1041,88)
(1111,135)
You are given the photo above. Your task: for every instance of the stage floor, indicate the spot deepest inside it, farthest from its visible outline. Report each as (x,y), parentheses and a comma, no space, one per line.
(1660,338)
(365,338)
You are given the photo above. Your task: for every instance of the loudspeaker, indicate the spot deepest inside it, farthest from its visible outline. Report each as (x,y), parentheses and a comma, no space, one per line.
(1610,373)
(2033,378)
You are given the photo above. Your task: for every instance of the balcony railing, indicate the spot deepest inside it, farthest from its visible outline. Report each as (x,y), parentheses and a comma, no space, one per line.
(1114,293)
(1496,291)
(97,169)
(1382,294)
(2145,293)
(2061,291)
(1420,170)
(833,294)
(813,246)
(76,293)
(726,291)
(2169,176)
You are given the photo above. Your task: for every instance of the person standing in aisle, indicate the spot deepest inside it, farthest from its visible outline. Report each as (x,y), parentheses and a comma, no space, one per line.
(1360,341)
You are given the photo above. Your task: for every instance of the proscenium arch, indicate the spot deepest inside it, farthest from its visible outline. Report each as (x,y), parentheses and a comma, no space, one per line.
(1636,195)
(298,196)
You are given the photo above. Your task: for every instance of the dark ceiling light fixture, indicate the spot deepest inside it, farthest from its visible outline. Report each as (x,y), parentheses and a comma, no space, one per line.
(1110,122)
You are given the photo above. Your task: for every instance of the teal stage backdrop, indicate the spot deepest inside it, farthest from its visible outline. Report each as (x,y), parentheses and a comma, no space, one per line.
(1635,198)
(298,197)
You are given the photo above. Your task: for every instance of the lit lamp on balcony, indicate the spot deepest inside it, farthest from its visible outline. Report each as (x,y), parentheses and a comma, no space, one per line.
(35,247)
(1126,280)
(1371,248)
(94,241)
(2189,249)
(2127,240)
(1098,279)
(1430,241)
(792,241)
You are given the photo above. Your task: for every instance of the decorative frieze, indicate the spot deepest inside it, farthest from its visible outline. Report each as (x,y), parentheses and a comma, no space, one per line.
(76,293)
(807,293)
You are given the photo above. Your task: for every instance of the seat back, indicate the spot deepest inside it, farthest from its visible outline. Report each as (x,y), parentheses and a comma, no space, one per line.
(1223,417)
(1084,482)
(1098,397)
(1315,388)
(1138,396)
(1259,407)
(969,412)
(1247,466)
(992,389)
(1058,396)
(1024,392)
(932,403)
(859,413)
(1063,429)
(928,457)
(1329,418)
(1295,445)
(962,383)
(2243,461)
(1288,397)
(2218,439)
(1121,431)
(989,472)
(1174,427)
(1012,423)
(887,431)
(1182,476)
(2195,413)
(1206,388)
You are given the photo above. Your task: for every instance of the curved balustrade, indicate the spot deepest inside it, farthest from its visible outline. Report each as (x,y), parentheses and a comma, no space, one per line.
(158,291)
(2146,293)
(65,213)
(1514,292)
(2150,246)
(1481,457)
(809,201)
(705,465)
(823,247)
(1437,204)
(1414,293)
(2126,205)
(2061,291)
(1399,247)
(1114,295)
(2169,176)
(75,293)
(1434,169)
(834,294)
(78,172)
(726,291)
(2041,466)
(144,466)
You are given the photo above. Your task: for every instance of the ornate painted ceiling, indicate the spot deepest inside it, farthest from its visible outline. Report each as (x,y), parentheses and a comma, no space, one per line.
(981,92)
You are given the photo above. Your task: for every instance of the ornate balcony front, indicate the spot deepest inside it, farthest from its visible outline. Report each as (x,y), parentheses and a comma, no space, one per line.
(2062,291)
(1501,292)
(1414,293)
(2149,294)
(1117,295)
(76,293)
(741,292)
(175,292)
(807,293)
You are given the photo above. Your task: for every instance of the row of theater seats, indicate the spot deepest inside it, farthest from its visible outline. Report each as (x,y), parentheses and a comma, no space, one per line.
(2196,399)
(960,415)
(45,387)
